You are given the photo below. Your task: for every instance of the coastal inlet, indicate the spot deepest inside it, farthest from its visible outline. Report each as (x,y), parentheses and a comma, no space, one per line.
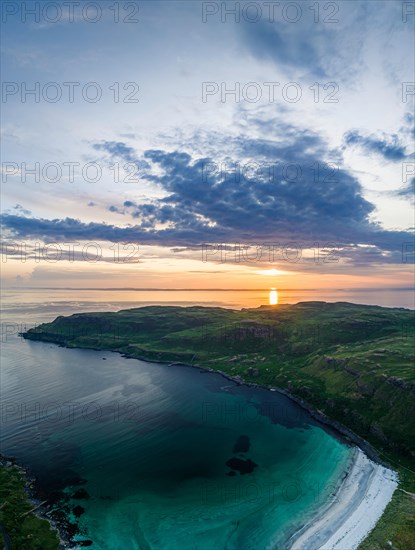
(190,460)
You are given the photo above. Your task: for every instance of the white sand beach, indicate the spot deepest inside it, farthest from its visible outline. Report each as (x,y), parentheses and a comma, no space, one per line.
(349,518)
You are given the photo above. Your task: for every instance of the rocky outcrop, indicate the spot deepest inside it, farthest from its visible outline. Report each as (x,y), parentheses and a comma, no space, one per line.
(399,383)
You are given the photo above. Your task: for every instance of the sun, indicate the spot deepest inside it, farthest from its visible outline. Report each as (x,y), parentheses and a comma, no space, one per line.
(270,272)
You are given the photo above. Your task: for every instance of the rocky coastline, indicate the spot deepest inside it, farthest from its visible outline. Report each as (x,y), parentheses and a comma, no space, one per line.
(42,509)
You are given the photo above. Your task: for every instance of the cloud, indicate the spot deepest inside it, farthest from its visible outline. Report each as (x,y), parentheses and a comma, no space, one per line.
(407,192)
(61,251)
(409,125)
(389,147)
(277,189)
(122,160)
(115,209)
(19,208)
(279,44)
(330,47)
(116,149)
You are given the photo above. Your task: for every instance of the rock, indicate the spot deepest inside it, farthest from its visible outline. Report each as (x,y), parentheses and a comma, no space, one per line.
(78,511)
(241,465)
(398,382)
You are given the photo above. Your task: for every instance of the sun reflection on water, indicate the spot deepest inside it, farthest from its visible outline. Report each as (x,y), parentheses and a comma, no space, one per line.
(273,297)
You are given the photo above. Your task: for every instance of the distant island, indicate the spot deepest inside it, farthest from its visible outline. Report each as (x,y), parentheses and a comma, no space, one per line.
(351,366)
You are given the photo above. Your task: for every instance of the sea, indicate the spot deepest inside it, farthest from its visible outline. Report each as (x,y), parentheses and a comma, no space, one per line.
(141,455)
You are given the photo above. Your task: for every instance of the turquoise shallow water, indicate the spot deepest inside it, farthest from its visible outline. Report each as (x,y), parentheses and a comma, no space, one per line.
(152,445)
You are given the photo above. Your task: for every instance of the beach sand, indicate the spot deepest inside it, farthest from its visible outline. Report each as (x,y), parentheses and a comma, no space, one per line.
(349,518)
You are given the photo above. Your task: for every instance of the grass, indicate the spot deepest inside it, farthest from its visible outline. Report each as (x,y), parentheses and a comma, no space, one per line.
(26,530)
(396,528)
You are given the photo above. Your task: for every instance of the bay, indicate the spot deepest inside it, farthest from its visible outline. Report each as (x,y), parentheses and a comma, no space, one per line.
(169,457)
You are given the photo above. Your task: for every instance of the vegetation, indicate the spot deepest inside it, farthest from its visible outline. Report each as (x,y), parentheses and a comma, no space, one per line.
(396,528)
(25,530)
(354,363)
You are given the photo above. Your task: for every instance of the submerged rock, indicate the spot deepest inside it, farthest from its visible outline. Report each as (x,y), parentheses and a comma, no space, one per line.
(243,466)
(78,511)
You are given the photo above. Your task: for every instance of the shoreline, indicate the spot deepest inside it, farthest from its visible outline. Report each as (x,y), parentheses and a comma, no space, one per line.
(361,497)
(40,509)
(354,512)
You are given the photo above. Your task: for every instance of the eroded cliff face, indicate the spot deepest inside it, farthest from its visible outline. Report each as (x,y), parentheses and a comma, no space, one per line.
(361,394)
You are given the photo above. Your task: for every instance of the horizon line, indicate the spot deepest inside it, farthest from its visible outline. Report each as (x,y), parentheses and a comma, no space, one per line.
(212,289)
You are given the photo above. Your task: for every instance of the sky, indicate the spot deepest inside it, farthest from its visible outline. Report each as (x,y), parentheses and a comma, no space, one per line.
(187,144)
